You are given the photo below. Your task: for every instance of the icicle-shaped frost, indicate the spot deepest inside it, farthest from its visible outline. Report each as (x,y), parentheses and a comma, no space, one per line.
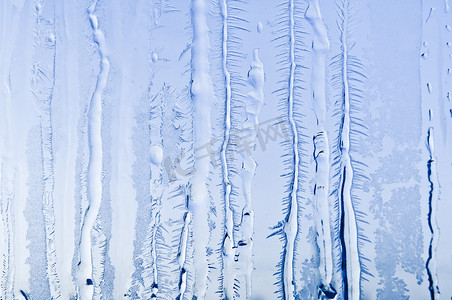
(228,241)
(202,95)
(320,47)
(291,223)
(85,271)
(349,232)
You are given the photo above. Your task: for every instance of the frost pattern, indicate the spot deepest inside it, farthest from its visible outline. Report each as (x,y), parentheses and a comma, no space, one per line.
(225,149)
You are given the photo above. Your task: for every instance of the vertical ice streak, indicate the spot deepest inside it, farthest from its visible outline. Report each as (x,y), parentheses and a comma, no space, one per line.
(44,95)
(254,101)
(48,201)
(157,190)
(228,252)
(9,28)
(320,47)
(94,189)
(154,286)
(149,251)
(22,174)
(349,232)
(291,221)
(202,95)
(431,263)
(156,195)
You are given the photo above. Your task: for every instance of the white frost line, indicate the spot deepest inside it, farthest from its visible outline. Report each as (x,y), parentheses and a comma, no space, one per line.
(202,95)
(353,268)
(9,26)
(320,47)
(228,253)
(48,201)
(253,103)
(48,205)
(432,222)
(85,280)
(291,225)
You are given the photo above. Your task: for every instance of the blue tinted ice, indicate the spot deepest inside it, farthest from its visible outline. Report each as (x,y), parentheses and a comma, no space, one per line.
(225,149)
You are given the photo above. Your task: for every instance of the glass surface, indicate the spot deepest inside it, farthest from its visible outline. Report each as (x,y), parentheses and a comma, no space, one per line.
(225,149)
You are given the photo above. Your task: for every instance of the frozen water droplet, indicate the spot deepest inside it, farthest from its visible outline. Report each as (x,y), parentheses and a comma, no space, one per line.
(424,55)
(260,27)
(51,39)
(425,44)
(154,57)
(156,154)
(448,28)
(429,88)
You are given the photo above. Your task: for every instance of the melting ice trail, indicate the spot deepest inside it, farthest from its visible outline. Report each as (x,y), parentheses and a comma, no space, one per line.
(291,221)
(85,280)
(228,241)
(320,47)
(431,264)
(253,103)
(202,95)
(349,233)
